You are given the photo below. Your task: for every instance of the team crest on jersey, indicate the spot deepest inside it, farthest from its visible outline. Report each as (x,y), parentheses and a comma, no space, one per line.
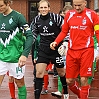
(10,21)
(50,23)
(84,21)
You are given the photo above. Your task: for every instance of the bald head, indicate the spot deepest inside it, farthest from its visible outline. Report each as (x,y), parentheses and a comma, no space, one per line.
(79,0)
(79,5)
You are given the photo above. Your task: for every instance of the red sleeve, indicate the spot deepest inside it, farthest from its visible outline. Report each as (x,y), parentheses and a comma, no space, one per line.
(96,22)
(64,31)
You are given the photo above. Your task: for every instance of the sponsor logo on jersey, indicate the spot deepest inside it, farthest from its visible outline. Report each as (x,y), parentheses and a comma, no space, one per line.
(74,27)
(46,34)
(45,29)
(79,27)
(3,26)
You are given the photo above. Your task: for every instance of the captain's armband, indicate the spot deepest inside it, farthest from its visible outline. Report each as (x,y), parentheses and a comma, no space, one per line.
(96,27)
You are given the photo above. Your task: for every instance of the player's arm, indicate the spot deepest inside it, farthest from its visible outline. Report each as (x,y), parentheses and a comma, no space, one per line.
(34,28)
(96,29)
(28,34)
(36,47)
(61,36)
(25,29)
(96,25)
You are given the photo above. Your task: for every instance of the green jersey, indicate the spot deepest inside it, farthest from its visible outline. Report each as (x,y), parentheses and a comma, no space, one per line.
(15,37)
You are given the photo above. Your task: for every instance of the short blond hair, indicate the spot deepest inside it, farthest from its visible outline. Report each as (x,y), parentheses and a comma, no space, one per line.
(67,7)
(44,1)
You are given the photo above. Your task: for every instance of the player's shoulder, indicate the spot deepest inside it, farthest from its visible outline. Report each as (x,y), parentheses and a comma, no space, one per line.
(36,18)
(71,12)
(17,14)
(90,11)
(56,16)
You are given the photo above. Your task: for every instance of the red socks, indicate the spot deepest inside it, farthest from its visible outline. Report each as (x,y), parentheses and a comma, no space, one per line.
(81,92)
(46,78)
(84,92)
(75,89)
(12,89)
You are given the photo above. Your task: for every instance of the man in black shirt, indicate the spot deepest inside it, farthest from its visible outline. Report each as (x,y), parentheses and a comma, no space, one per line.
(48,25)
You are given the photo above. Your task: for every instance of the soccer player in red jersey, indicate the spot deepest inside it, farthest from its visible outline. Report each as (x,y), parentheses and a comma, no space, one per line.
(82,23)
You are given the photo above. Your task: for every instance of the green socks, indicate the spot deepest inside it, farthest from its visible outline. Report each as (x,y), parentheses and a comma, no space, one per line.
(60,88)
(22,92)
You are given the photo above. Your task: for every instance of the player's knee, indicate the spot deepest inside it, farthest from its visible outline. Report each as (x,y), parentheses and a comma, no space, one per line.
(61,74)
(11,79)
(39,74)
(84,81)
(20,82)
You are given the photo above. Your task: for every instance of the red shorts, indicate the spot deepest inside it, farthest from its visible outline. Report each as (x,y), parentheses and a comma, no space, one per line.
(79,62)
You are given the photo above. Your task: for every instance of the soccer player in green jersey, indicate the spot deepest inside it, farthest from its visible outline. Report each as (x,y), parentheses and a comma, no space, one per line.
(15,44)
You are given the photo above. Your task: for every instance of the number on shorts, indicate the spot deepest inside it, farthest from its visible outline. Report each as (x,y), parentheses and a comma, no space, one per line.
(18,69)
(59,60)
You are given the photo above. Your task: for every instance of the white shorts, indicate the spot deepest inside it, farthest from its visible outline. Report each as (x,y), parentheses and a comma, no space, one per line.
(13,68)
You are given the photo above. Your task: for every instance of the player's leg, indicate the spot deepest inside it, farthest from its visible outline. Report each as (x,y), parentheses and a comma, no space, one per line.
(1,78)
(18,74)
(86,71)
(11,85)
(60,88)
(22,92)
(40,70)
(55,74)
(61,72)
(3,71)
(46,81)
(72,73)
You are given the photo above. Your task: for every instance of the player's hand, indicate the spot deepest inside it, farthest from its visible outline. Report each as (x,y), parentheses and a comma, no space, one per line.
(35,61)
(53,45)
(22,61)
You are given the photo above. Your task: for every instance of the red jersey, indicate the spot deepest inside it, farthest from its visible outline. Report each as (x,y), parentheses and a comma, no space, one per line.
(81,27)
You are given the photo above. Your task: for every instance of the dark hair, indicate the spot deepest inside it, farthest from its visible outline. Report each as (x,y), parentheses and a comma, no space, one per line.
(96,10)
(60,11)
(7,1)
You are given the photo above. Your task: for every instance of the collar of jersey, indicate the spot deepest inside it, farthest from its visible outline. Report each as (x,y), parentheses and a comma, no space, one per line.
(45,17)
